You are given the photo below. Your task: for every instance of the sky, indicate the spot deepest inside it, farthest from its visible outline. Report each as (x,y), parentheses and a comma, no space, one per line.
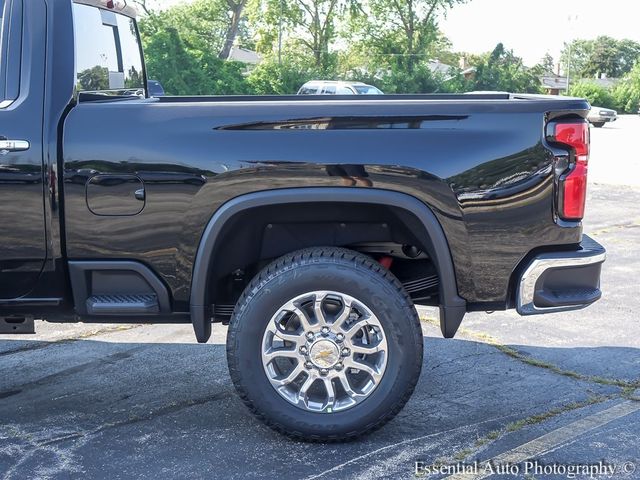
(532,27)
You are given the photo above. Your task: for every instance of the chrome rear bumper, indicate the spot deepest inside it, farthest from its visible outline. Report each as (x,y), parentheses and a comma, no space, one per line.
(560,281)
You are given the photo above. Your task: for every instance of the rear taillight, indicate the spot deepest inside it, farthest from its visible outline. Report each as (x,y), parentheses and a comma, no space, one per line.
(573,185)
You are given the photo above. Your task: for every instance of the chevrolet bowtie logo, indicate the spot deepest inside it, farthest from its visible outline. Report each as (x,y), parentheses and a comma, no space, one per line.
(327,352)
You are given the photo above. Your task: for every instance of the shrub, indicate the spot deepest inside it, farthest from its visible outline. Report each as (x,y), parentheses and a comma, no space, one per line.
(627,92)
(273,78)
(594,93)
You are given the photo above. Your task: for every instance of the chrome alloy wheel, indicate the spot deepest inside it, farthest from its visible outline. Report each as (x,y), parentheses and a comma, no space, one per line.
(324,351)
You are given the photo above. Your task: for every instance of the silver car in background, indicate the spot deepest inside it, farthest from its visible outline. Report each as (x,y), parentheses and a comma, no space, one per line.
(331,87)
(598,116)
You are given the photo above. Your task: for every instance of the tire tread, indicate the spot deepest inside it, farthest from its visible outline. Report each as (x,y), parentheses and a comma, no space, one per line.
(292,260)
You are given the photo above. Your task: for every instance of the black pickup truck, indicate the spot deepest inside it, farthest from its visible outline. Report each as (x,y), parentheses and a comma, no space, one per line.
(311,225)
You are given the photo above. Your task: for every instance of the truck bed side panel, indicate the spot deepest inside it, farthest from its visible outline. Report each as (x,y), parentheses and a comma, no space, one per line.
(481,166)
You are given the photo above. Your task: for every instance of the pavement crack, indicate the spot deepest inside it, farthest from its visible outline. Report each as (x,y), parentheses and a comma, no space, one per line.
(534,362)
(464,357)
(516,425)
(109,359)
(332,472)
(165,410)
(553,439)
(9,393)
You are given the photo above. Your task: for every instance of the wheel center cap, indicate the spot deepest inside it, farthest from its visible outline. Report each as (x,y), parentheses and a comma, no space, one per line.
(324,353)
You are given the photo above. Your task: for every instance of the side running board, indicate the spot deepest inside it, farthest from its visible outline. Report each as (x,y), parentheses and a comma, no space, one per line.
(122,304)
(117,288)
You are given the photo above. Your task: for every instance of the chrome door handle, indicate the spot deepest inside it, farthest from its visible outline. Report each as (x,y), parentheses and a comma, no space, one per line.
(7,146)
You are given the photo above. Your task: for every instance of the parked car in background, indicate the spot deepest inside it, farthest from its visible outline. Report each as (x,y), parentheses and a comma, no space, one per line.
(332,87)
(598,116)
(155,88)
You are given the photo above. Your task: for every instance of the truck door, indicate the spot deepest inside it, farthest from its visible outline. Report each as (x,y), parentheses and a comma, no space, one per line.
(22,230)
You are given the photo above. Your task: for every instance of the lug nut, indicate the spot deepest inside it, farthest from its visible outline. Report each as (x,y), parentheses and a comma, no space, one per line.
(308,365)
(310,335)
(345,352)
(303,350)
(339,366)
(325,331)
(340,337)
(324,371)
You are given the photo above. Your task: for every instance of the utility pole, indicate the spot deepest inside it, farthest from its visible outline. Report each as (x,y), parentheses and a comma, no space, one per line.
(568,65)
(570,18)
(280,33)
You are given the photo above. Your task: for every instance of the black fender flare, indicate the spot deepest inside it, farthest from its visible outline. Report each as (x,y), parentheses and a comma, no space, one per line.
(452,306)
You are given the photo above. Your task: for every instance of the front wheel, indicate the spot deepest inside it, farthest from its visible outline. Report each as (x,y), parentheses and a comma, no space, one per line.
(325,345)
(598,124)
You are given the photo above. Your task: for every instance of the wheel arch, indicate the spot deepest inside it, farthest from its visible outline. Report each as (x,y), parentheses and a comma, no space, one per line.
(452,306)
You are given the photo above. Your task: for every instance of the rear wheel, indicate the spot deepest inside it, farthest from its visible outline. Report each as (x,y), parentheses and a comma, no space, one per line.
(325,345)
(598,124)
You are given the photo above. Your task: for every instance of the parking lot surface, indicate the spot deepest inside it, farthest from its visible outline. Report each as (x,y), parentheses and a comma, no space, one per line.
(121,402)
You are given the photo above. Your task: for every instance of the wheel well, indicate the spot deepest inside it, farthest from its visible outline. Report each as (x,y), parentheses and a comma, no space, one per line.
(253,237)
(234,238)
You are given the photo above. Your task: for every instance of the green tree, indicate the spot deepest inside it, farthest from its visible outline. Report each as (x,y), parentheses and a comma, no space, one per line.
(236,9)
(547,64)
(187,71)
(170,62)
(404,32)
(604,55)
(502,70)
(574,56)
(310,27)
(94,78)
(145,5)
(629,55)
(184,57)
(419,80)
(627,92)
(206,25)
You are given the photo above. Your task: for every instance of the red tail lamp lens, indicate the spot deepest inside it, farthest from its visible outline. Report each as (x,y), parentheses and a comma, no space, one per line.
(574,185)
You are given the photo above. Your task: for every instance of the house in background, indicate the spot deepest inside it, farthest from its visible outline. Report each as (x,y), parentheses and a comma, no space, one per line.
(445,70)
(554,83)
(603,81)
(250,58)
(468,72)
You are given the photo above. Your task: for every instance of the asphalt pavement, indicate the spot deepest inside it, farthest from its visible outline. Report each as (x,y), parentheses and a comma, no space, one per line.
(541,394)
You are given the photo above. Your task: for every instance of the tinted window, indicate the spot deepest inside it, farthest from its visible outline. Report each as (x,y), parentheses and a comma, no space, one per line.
(367,90)
(108,56)
(329,90)
(342,90)
(131,53)
(311,90)
(10,48)
(155,88)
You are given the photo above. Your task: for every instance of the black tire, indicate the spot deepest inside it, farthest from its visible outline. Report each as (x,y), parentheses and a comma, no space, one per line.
(353,274)
(598,124)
